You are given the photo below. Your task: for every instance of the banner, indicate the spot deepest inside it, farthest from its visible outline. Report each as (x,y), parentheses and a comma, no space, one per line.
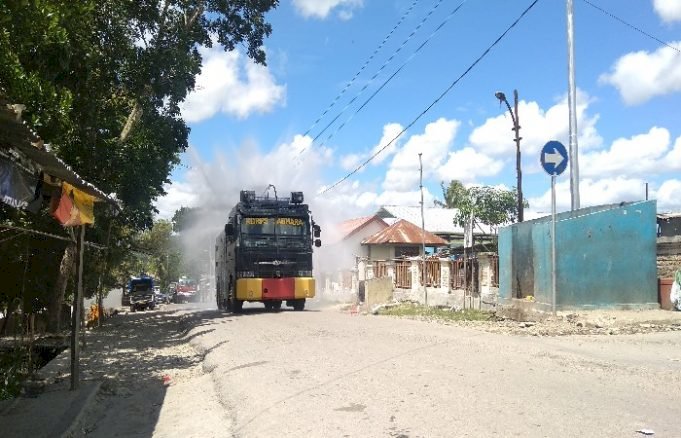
(17,187)
(73,207)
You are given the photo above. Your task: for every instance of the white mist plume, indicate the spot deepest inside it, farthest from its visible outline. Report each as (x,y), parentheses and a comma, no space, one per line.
(295,166)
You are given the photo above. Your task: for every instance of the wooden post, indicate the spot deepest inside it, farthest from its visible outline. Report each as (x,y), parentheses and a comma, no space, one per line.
(75,317)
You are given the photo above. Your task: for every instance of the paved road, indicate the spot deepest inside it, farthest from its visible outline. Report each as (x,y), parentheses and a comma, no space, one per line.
(323,373)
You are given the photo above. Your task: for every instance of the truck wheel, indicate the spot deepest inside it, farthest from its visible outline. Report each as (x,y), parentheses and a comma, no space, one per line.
(276,305)
(238,306)
(269,305)
(299,305)
(132,309)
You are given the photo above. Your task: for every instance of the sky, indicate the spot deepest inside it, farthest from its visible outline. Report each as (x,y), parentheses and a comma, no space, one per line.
(345,77)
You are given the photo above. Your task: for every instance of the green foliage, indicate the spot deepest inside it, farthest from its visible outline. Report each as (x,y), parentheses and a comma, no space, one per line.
(102,82)
(488,205)
(436,313)
(184,219)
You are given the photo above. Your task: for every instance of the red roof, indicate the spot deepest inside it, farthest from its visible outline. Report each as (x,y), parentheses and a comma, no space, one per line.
(351,226)
(404,232)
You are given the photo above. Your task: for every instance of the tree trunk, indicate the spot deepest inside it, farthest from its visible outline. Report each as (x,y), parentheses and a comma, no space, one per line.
(66,269)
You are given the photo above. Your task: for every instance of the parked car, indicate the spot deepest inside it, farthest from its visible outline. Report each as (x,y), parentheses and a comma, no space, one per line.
(161,297)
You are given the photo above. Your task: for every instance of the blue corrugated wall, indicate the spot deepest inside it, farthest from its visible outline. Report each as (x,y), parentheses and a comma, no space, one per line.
(605,257)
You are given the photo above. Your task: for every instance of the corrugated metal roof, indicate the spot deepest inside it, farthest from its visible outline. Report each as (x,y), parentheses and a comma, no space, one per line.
(404,232)
(18,135)
(437,220)
(349,227)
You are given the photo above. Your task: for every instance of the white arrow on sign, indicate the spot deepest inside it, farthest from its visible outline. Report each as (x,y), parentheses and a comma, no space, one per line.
(553,158)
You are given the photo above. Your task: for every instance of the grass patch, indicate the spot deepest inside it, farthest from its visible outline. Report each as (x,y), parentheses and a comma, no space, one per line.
(444,314)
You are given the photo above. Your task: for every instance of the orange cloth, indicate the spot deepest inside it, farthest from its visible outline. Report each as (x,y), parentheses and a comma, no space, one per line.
(74,207)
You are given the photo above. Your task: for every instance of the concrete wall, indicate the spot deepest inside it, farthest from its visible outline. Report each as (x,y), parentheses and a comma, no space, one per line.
(380,252)
(378,291)
(605,257)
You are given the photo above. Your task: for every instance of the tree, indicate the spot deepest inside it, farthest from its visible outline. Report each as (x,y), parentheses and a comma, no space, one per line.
(102,81)
(487,205)
(184,219)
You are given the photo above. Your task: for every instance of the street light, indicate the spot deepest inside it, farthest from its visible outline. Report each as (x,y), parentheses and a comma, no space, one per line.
(516,127)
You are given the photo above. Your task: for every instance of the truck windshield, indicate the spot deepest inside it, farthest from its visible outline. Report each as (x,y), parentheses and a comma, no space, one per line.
(280,226)
(140,287)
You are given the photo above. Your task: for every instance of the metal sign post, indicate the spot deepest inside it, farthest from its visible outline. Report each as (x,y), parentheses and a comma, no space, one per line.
(554,160)
(553,244)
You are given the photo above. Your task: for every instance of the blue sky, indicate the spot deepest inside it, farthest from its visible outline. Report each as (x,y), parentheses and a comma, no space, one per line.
(248,121)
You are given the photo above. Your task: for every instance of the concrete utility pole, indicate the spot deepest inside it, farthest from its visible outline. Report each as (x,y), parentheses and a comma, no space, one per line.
(516,127)
(423,233)
(572,108)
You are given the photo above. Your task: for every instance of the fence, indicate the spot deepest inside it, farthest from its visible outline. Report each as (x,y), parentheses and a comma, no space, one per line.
(431,274)
(465,274)
(403,274)
(381,269)
(495,270)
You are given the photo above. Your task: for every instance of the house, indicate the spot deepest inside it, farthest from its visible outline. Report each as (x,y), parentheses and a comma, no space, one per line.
(401,239)
(347,236)
(437,220)
(336,262)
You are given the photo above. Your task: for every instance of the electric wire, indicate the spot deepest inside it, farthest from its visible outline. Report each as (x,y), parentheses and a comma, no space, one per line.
(378,72)
(366,63)
(437,100)
(390,78)
(641,31)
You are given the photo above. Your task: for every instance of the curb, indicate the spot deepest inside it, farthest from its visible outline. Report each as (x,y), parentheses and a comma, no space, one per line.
(75,421)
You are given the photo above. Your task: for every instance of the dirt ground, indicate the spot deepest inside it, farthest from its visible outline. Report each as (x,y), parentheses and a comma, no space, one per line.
(597,322)
(185,371)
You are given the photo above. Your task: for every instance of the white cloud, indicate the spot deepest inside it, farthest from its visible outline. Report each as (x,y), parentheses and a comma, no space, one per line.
(322,8)
(233,84)
(408,198)
(591,192)
(466,165)
(390,131)
(434,143)
(668,10)
(495,137)
(640,76)
(178,194)
(642,155)
(350,161)
(668,199)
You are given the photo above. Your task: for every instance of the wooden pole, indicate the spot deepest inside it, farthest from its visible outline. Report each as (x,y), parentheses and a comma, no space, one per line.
(75,317)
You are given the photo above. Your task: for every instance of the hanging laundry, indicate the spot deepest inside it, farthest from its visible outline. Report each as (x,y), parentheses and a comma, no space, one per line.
(17,186)
(73,207)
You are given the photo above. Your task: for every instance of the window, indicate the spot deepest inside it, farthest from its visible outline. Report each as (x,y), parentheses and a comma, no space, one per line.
(407,251)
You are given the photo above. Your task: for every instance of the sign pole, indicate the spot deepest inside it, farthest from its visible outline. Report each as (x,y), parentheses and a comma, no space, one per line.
(75,317)
(554,160)
(553,244)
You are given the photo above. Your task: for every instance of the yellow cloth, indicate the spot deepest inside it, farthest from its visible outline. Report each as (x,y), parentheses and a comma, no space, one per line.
(83,206)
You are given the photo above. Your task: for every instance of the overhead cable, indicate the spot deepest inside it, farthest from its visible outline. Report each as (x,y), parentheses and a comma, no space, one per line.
(613,16)
(390,78)
(373,55)
(378,72)
(442,95)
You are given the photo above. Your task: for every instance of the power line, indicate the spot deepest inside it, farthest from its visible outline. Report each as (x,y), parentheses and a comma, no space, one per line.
(412,56)
(373,55)
(613,16)
(443,94)
(378,72)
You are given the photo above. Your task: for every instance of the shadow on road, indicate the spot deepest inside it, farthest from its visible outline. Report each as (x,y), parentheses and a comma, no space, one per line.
(135,355)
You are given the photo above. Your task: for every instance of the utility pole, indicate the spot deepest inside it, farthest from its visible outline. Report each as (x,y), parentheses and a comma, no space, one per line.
(519,173)
(423,233)
(572,108)
(516,127)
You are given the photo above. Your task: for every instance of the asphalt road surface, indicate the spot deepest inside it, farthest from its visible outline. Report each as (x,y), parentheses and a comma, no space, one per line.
(324,373)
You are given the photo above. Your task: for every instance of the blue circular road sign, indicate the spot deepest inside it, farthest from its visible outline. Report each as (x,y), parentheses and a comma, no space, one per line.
(554,158)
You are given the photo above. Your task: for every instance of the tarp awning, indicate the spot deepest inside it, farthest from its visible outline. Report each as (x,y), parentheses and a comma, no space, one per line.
(15,134)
